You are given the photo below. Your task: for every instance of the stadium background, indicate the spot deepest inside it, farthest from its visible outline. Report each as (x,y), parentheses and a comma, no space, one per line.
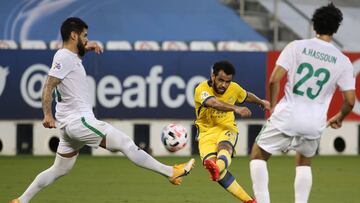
(155,53)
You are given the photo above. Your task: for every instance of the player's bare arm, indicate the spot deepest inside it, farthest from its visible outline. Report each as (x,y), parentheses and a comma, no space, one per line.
(223,106)
(252,98)
(50,84)
(274,84)
(94,46)
(348,104)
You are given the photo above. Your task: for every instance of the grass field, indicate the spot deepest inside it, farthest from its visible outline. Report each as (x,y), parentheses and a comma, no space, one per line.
(116,179)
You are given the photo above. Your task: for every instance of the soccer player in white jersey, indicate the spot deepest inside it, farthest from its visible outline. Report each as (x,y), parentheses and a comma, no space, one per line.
(77,123)
(314,68)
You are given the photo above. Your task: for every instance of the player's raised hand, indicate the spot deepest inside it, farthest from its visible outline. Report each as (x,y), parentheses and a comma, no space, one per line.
(243,111)
(336,121)
(49,122)
(94,46)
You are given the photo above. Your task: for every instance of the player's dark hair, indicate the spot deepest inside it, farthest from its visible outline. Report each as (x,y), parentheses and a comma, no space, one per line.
(226,66)
(72,24)
(327,19)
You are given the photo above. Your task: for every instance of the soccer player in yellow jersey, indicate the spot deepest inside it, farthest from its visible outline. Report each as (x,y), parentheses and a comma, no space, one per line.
(215,101)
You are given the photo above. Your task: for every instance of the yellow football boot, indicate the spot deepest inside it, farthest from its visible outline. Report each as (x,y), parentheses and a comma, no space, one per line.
(180,171)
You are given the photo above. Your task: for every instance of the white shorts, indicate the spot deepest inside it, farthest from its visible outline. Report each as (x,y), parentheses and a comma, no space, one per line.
(83,131)
(272,140)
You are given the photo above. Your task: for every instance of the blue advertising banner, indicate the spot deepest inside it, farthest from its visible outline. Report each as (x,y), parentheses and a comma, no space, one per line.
(126,84)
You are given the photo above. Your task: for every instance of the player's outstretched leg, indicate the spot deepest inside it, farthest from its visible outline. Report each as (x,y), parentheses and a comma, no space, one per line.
(60,168)
(226,180)
(229,183)
(223,161)
(119,141)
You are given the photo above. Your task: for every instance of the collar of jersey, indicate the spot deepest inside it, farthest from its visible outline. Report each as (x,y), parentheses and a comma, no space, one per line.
(323,42)
(72,53)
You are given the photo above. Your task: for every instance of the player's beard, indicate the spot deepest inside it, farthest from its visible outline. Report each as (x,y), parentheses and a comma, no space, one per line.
(81,48)
(217,90)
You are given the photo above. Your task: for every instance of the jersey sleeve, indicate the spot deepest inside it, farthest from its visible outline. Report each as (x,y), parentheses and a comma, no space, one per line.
(287,57)
(347,78)
(202,95)
(241,94)
(60,67)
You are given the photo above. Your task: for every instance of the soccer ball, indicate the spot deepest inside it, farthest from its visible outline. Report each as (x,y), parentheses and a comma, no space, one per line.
(174,137)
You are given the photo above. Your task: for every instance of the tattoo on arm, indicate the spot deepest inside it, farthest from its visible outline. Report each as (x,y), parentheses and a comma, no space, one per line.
(50,84)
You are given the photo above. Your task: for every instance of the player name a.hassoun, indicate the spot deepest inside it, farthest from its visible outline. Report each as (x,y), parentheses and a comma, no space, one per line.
(319,55)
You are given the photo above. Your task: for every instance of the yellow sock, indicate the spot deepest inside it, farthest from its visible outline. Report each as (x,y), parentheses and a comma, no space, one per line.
(223,160)
(227,181)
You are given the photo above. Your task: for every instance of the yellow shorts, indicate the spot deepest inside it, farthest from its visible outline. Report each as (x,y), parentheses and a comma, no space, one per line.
(209,140)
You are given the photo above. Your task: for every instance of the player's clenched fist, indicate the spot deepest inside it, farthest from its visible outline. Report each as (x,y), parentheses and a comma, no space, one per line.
(243,111)
(49,122)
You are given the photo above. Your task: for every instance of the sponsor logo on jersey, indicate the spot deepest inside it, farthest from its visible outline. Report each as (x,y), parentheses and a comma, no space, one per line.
(57,65)
(204,94)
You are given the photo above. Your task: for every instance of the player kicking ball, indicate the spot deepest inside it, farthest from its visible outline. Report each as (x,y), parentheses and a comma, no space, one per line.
(78,125)
(215,105)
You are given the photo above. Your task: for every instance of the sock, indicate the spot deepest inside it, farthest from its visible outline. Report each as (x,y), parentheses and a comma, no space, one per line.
(302,184)
(119,141)
(229,183)
(260,179)
(60,167)
(223,159)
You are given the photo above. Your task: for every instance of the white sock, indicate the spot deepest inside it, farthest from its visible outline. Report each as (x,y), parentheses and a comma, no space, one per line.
(260,179)
(302,184)
(119,141)
(60,167)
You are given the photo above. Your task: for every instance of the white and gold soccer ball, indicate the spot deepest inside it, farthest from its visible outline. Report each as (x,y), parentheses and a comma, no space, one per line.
(174,137)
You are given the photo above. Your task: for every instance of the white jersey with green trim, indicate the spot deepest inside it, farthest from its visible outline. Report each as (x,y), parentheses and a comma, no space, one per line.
(314,69)
(72,94)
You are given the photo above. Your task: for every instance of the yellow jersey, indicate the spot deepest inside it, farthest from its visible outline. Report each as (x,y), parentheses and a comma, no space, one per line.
(207,117)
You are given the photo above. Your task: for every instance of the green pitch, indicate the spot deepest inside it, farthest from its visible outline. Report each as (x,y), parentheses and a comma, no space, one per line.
(116,179)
